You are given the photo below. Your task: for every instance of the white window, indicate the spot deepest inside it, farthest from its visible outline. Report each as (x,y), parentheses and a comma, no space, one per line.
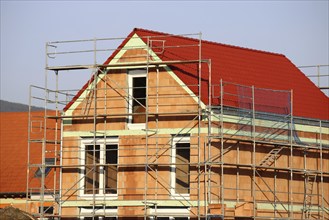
(99,173)
(99,213)
(180,168)
(174,213)
(137,82)
(170,218)
(99,218)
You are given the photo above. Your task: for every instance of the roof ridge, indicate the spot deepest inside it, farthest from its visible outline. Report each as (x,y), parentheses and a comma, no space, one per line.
(209,42)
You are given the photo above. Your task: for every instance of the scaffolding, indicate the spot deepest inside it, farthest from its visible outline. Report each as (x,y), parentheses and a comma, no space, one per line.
(319,75)
(107,153)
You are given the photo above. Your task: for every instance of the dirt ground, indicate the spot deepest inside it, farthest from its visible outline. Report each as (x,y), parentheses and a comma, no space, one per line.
(11,213)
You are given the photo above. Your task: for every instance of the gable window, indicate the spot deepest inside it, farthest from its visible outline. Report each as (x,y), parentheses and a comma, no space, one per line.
(139,99)
(100,170)
(180,168)
(137,83)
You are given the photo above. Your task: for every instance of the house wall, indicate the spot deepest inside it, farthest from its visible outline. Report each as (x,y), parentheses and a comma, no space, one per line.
(233,176)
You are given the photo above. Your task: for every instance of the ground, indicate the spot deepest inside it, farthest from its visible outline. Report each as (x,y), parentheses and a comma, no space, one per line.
(9,213)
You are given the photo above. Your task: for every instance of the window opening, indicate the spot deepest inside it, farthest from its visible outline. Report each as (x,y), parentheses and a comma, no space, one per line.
(111,169)
(180,168)
(47,210)
(182,180)
(137,83)
(139,99)
(92,157)
(102,178)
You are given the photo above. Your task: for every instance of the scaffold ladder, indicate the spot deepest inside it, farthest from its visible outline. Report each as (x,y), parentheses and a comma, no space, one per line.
(310,179)
(269,159)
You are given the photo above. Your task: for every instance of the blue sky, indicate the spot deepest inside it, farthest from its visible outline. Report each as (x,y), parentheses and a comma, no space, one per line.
(297,29)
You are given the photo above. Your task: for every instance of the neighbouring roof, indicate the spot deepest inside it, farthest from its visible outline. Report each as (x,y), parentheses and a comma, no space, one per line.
(14,151)
(239,65)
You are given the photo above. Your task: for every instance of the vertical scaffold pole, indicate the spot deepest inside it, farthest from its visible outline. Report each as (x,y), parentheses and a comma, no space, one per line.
(60,171)
(42,188)
(56,136)
(94,143)
(221,145)
(321,172)
(291,212)
(157,137)
(146,129)
(209,138)
(253,152)
(199,118)
(94,133)
(28,149)
(105,167)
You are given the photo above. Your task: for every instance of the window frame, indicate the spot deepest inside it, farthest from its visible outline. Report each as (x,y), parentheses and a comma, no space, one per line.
(102,160)
(99,212)
(177,140)
(169,217)
(170,213)
(134,73)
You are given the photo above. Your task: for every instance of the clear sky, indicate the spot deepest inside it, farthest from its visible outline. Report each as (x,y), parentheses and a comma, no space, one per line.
(297,29)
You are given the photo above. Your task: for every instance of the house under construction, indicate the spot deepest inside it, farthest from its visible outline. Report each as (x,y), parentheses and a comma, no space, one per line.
(175,127)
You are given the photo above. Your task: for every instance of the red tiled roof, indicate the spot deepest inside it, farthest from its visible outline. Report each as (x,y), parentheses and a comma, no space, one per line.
(239,65)
(14,152)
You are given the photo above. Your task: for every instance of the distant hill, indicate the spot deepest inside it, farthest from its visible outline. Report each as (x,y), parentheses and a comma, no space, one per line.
(6,106)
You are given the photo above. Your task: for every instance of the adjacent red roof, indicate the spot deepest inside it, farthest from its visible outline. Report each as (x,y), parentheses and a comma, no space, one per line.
(239,65)
(14,151)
